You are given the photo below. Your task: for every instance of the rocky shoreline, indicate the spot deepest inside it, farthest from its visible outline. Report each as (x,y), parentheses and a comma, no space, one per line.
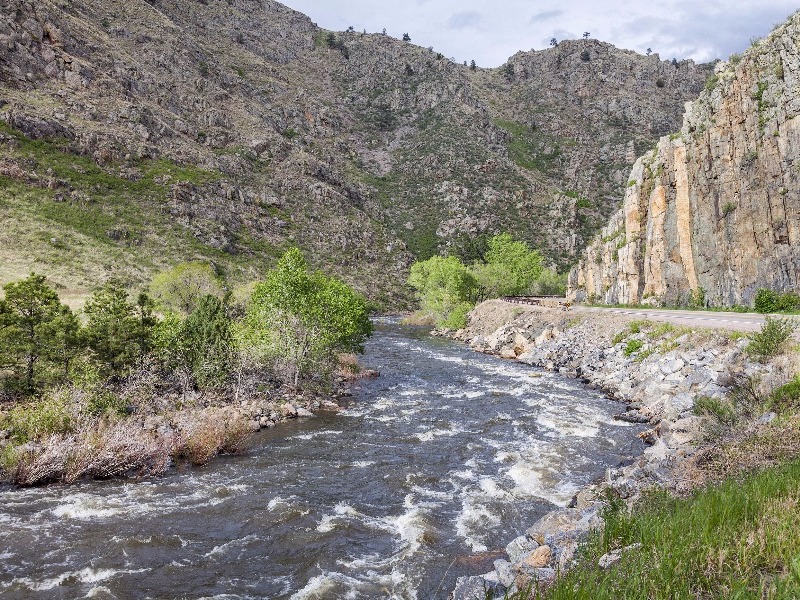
(657,371)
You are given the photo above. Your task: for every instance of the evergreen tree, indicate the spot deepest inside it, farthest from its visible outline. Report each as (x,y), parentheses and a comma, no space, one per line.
(208,336)
(118,332)
(34,329)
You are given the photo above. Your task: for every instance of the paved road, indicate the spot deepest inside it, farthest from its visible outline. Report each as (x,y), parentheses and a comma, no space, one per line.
(688,318)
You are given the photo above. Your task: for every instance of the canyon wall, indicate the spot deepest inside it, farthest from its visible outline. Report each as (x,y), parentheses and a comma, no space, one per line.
(712,213)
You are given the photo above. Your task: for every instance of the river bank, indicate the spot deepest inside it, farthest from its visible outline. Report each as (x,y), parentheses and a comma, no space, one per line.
(658,372)
(159,432)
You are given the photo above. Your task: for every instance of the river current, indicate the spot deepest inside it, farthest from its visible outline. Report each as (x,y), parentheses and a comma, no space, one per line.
(430,471)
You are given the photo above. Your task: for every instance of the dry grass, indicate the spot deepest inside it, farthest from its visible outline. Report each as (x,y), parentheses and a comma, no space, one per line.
(203,435)
(102,451)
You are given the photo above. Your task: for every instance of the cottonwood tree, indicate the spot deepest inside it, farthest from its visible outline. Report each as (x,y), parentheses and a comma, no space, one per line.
(180,288)
(299,320)
(445,288)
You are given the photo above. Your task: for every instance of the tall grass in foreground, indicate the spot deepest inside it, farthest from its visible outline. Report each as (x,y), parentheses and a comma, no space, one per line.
(736,540)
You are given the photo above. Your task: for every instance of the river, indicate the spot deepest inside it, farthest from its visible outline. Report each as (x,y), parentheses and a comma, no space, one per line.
(431,470)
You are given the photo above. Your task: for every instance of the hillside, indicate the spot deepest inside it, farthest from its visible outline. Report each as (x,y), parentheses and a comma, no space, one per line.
(713,212)
(138,134)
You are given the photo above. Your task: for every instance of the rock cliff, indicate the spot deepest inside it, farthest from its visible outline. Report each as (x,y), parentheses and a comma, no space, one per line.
(712,213)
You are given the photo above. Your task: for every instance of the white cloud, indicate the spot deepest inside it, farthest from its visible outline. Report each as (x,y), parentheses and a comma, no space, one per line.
(466,30)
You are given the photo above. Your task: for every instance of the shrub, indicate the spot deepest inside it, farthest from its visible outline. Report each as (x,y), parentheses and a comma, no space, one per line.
(772,339)
(766,301)
(769,301)
(786,398)
(37,420)
(182,287)
(633,346)
(298,320)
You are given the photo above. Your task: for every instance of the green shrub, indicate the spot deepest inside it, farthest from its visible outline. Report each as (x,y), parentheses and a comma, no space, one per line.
(770,301)
(36,420)
(633,346)
(786,398)
(620,337)
(772,339)
(720,410)
(766,301)
(103,402)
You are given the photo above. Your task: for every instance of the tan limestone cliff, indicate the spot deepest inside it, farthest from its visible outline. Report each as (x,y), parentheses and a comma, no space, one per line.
(712,213)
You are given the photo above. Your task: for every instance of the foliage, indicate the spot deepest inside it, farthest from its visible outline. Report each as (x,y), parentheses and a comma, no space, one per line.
(786,398)
(37,334)
(737,539)
(444,287)
(549,283)
(633,346)
(38,419)
(697,299)
(208,335)
(118,332)
(300,320)
(521,265)
(770,301)
(181,287)
(772,339)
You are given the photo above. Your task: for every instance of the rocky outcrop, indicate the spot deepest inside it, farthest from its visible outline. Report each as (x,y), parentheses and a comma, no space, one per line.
(713,212)
(358,147)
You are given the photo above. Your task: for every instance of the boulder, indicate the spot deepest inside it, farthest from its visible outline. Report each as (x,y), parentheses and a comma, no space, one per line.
(519,547)
(473,588)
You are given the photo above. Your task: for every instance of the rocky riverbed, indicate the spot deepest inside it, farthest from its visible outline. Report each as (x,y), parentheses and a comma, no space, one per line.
(657,371)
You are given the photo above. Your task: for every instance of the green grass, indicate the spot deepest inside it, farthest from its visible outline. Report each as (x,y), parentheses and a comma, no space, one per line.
(737,539)
(527,146)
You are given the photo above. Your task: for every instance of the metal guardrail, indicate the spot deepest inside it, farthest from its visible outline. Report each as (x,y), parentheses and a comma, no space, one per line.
(555,301)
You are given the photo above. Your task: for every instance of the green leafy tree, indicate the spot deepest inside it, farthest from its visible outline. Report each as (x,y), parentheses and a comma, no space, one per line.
(118,332)
(512,266)
(445,288)
(35,328)
(181,287)
(299,321)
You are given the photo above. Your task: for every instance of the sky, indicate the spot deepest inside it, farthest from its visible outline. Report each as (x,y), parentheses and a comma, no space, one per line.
(490,32)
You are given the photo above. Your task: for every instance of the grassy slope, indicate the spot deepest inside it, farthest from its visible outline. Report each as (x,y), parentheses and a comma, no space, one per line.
(97,221)
(736,539)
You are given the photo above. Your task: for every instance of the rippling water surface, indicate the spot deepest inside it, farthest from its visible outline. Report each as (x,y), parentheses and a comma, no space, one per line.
(433,468)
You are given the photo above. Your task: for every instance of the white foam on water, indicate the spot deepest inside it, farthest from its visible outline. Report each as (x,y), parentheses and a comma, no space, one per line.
(84,507)
(430,434)
(491,489)
(362,464)
(316,434)
(557,489)
(223,548)
(384,418)
(411,393)
(86,575)
(567,427)
(100,591)
(473,519)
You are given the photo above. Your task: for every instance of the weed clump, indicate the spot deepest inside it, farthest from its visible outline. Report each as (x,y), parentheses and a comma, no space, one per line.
(772,339)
